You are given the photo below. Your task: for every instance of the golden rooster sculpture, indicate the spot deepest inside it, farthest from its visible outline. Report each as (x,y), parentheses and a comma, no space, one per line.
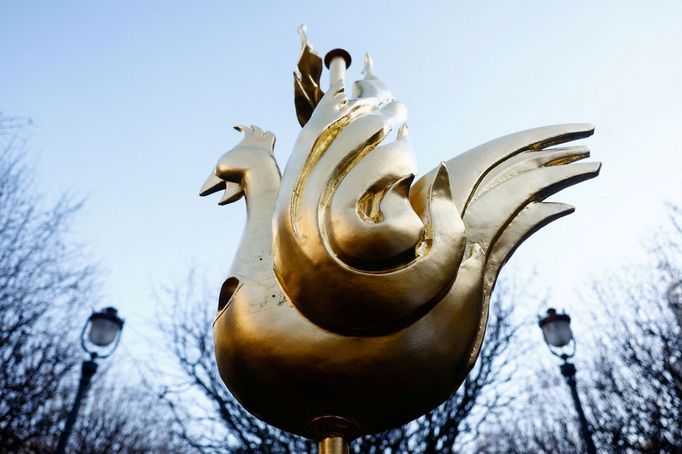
(358,299)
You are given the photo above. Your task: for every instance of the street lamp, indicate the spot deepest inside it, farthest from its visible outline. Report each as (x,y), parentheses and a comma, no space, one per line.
(99,338)
(556,330)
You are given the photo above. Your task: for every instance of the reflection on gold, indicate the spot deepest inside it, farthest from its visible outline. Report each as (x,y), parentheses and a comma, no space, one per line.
(358,300)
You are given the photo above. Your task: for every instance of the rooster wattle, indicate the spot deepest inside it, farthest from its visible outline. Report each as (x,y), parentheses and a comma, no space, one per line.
(357,300)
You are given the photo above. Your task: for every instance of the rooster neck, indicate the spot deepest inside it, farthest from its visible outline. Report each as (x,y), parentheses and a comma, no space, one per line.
(261,185)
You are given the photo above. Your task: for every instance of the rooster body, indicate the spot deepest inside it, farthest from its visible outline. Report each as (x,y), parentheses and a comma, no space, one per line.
(357,300)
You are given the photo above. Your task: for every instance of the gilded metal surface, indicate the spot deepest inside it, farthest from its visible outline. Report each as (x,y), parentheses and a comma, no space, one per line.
(333,445)
(358,300)
(307,91)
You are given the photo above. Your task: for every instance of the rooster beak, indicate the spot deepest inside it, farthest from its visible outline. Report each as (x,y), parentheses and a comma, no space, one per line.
(233,192)
(211,185)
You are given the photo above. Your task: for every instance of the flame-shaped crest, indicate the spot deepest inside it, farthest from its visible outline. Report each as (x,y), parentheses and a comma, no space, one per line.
(349,249)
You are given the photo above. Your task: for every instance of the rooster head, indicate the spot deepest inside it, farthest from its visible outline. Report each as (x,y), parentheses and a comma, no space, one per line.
(235,163)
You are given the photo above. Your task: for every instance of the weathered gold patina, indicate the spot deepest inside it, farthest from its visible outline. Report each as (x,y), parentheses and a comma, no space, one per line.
(358,300)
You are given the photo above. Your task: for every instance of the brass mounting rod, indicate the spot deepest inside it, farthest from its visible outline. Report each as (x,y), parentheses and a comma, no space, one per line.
(333,445)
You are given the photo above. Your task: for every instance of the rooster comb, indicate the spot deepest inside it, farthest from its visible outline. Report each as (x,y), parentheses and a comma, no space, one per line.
(253,135)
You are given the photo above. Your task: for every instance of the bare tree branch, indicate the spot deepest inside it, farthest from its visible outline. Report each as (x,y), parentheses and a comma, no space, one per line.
(45,290)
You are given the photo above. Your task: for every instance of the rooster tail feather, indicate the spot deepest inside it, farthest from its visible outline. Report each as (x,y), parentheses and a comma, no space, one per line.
(499,188)
(469,169)
(504,201)
(528,221)
(513,193)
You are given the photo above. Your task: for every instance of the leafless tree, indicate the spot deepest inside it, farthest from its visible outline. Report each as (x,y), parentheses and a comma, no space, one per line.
(630,373)
(209,419)
(635,395)
(206,415)
(40,284)
(125,420)
(45,289)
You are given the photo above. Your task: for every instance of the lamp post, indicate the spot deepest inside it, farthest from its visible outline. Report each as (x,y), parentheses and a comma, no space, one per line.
(556,330)
(103,330)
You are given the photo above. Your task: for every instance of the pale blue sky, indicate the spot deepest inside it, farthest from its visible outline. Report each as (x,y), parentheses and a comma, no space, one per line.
(134,102)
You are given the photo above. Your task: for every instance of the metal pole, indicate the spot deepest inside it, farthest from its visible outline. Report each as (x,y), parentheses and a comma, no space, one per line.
(568,371)
(333,445)
(87,371)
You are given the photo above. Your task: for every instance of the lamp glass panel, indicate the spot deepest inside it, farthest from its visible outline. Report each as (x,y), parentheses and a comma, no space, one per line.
(102,331)
(558,333)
